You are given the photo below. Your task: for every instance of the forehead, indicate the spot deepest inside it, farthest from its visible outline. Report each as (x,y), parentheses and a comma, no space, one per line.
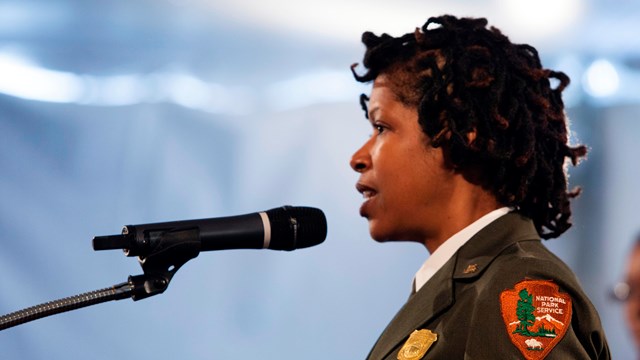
(383,89)
(382,98)
(385,104)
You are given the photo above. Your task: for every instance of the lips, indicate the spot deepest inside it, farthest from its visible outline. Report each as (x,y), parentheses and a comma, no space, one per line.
(368,193)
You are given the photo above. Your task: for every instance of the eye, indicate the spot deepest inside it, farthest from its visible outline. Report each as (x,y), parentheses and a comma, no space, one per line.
(379,128)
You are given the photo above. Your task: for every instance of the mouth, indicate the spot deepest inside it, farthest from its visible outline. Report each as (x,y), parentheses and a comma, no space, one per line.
(368,193)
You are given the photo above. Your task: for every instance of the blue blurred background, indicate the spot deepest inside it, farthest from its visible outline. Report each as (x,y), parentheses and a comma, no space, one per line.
(127,112)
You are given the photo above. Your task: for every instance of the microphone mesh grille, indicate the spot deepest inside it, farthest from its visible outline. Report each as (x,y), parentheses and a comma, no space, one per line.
(296,227)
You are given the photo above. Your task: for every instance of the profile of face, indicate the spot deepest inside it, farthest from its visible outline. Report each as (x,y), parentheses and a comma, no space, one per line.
(632,304)
(403,179)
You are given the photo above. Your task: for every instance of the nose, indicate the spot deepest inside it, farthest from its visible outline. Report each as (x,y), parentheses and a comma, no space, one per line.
(361,159)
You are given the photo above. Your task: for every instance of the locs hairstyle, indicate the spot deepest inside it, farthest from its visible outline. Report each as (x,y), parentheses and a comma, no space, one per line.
(466,79)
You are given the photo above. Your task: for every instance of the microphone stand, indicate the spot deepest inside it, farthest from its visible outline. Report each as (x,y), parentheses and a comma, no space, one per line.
(174,250)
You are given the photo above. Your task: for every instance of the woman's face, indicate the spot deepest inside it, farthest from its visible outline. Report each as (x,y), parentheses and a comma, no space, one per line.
(404,180)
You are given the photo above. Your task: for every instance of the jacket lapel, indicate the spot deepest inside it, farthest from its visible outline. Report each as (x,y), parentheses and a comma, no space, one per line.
(419,309)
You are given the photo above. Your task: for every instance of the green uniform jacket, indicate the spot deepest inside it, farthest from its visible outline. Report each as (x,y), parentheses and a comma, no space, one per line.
(461,303)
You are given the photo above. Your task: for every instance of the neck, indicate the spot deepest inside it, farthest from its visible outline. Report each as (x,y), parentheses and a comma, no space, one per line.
(466,206)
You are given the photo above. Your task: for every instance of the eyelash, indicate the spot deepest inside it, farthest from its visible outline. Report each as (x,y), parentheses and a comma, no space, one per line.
(379,128)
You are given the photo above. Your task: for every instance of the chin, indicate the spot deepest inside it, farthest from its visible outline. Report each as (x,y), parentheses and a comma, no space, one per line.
(381,235)
(379,240)
(376,234)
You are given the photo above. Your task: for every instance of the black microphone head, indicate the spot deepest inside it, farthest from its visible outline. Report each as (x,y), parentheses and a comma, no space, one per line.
(296,227)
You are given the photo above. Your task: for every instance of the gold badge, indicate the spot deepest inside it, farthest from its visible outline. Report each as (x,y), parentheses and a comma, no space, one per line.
(417,345)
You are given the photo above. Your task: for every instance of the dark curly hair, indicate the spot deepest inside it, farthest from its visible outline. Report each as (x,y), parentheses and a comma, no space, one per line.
(465,78)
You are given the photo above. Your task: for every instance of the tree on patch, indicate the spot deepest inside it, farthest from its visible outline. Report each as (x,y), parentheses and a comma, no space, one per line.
(524,312)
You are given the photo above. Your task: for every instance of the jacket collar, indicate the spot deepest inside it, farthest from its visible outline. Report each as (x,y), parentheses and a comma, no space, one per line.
(437,295)
(487,244)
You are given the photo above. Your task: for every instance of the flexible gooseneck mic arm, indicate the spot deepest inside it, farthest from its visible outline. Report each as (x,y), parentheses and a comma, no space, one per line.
(159,267)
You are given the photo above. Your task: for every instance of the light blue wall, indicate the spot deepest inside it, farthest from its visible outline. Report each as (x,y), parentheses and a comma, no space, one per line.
(70,171)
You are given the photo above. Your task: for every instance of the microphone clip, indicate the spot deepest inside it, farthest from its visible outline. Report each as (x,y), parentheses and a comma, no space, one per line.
(165,253)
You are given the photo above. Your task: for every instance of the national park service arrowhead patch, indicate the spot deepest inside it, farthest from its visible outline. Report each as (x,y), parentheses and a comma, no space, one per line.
(536,315)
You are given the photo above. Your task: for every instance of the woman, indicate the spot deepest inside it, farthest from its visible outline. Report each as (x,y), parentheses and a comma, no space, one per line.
(467,157)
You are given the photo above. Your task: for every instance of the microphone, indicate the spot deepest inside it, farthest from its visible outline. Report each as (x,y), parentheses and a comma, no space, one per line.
(284,228)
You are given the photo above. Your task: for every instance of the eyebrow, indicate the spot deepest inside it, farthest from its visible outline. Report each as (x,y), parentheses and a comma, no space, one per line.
(372,112)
